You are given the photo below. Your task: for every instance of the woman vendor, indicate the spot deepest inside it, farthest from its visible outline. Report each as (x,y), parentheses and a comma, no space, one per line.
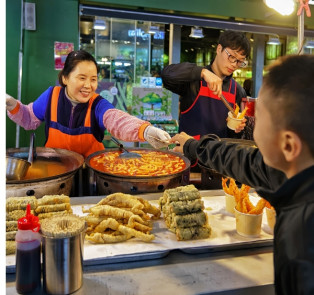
(75,116)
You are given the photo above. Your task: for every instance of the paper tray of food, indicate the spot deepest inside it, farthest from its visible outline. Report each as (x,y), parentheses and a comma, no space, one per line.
(223,235)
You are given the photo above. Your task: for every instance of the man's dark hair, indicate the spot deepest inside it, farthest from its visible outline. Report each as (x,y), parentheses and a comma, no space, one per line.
(290,82)
(71,62)
(235,41)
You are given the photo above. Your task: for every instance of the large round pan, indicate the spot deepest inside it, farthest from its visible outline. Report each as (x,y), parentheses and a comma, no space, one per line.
(54,183)
(110,183)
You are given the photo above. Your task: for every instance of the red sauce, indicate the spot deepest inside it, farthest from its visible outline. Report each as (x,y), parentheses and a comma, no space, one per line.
(152,163)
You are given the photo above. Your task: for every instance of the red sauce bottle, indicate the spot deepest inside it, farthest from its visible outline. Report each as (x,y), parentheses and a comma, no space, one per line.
(27,264)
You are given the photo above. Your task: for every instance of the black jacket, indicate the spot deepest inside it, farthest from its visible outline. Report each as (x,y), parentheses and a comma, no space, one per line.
(292,198)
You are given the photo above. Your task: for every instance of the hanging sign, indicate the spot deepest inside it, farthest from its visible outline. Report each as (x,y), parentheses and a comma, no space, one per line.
(61,51)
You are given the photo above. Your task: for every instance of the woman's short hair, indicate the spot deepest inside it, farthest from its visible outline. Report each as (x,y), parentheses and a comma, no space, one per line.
(71,62)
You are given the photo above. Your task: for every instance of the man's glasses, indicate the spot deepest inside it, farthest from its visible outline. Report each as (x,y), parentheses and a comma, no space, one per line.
(233,59)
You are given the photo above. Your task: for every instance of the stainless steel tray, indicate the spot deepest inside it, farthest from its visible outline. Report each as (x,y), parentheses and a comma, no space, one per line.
(223,238)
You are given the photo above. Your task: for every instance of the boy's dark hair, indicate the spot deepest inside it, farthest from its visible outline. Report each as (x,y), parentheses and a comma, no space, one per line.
(72,60)
(235,41)
(290,82)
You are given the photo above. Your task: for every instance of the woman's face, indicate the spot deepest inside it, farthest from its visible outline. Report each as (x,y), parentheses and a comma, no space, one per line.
(81,83)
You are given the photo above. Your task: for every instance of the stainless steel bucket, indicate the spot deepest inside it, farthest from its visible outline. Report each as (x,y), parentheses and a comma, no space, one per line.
(62,264)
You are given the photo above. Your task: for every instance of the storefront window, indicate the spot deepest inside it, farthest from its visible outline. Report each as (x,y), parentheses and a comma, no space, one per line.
(126,51)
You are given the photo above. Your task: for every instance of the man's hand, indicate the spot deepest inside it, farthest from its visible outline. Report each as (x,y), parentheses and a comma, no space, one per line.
(156,137)
(214,83)
(180,139)
(241,126)
(10,102)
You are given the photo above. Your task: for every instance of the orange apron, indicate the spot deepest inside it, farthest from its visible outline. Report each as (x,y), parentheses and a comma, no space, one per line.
(83,143)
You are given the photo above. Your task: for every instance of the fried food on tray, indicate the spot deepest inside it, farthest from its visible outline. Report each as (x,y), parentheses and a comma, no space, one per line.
(53,208)
(16,214)
(10,247)
(53,199)
(119,217)
(20,203)
(45,207)
(11,225)
(122,200)
(54,213)
(182,208)
(10,235)
(192,233)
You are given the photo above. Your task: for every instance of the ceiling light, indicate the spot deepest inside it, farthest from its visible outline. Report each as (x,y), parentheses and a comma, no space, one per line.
(273,41)
(99,24)
(153,29)
(309,44)
(196,32)
(284,7)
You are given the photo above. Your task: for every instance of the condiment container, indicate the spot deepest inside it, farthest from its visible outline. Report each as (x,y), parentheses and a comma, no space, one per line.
(28,240)
(62,256)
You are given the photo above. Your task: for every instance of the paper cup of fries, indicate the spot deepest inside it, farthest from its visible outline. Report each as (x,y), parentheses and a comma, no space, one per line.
(248,225)
(230,203)
(233,122)
(271,217)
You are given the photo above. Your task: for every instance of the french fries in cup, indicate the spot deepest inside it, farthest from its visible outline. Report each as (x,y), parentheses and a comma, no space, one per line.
(271,216)
(248,225)
(234,122)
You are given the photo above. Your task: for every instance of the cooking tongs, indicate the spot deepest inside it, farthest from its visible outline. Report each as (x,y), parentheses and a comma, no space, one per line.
(126,154)
(229,107)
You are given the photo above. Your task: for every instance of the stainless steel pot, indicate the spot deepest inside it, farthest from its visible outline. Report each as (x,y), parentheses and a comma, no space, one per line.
(62,263)
(60,183)
(109,183)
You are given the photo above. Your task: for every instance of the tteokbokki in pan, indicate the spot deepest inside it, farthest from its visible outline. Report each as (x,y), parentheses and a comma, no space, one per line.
(152,163)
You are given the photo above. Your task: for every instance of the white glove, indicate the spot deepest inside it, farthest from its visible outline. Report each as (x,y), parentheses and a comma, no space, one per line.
(10,102)
(156,137)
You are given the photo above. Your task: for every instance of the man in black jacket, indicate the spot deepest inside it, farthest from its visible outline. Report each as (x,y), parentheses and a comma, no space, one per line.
(200,88)
(281,169)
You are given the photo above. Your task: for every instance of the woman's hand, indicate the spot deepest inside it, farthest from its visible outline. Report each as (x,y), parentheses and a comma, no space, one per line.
(180,139)
(10,102)
(156,137)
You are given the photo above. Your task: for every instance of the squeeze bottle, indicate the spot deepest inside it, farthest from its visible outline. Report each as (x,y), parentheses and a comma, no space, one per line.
(27,264)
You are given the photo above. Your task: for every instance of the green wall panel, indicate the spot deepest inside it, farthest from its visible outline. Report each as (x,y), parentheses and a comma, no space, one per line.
(55,21)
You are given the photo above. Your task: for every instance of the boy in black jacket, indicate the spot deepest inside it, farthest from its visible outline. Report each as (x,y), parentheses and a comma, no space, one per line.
(281,169)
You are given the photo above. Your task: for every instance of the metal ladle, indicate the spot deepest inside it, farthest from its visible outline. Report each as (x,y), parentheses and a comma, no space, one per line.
(16,168)
(126,154)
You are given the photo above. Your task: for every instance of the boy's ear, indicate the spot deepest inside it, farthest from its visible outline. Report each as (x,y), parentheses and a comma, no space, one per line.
(291,145)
